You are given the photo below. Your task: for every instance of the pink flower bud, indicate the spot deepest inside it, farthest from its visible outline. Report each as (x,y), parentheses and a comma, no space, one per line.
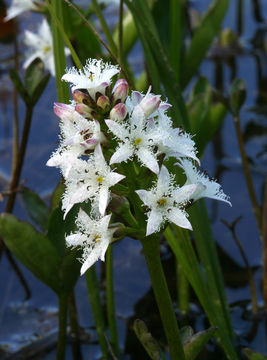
(120,90)
(84,110)
(119,112)
(80,97)
(103,102)
(63,110)
(150,104)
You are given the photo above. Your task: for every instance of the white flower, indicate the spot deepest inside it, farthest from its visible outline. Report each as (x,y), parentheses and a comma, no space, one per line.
(135,139)
(174,142)
(93,237)
(95,76)
(90,180)
(166,202)
(78,135)
(41,44)
(206,187)
(19,6)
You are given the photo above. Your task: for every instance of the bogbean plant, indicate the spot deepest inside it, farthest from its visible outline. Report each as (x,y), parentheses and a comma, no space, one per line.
(115,149)
(115,143)
(129,170)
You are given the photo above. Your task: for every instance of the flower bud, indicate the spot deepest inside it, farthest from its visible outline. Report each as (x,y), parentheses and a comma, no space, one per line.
(150,104)
(63,110)
(103,102)
(120,90)
(80,97)
(118,113)
(84,110)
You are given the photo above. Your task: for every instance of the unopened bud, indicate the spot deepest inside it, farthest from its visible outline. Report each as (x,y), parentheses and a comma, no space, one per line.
(120,91)
(150,104)
(63,110)
(80,97)
(103,102)
(119,112)
(84,110)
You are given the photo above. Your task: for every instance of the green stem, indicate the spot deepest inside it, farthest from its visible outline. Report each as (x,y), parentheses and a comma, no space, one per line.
(161,291)
(62,325)
(95,301)
(64,36)
(252,195)
(182,289)
(20,160)
(111,312)
(74,327)
(175,36)
(105,27)
(121,33)
(59,52)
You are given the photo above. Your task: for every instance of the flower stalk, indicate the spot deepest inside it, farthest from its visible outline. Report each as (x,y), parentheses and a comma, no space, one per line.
(111,313)
(152,255)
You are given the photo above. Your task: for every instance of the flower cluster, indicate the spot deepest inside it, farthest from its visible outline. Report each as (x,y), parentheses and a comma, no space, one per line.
(104,126)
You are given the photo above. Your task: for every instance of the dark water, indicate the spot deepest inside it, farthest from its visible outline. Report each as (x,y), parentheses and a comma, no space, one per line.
(23,323)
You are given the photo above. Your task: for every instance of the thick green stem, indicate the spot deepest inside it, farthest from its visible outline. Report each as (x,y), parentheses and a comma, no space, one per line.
(59,52)
(182,289)
(74,327)
(95,300)
(62,326)
(161,291)
(252,195)
(111,312)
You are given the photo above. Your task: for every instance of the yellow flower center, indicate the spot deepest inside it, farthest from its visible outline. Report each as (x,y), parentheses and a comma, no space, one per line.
(137,141)
(162,201)
(46,49)
(96,238)
(100,179)
(90,77)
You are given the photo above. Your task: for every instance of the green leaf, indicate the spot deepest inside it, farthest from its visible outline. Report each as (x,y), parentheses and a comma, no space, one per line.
(57,195)
(69,270)
(57,230)
(253,355)
(205,118)
(36,208)
(34,73)
(197,343)
(19,86)
(186,333)
(157,60)
(32,249)
(202,39)
(39,89)
(149,343)
(237,94)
